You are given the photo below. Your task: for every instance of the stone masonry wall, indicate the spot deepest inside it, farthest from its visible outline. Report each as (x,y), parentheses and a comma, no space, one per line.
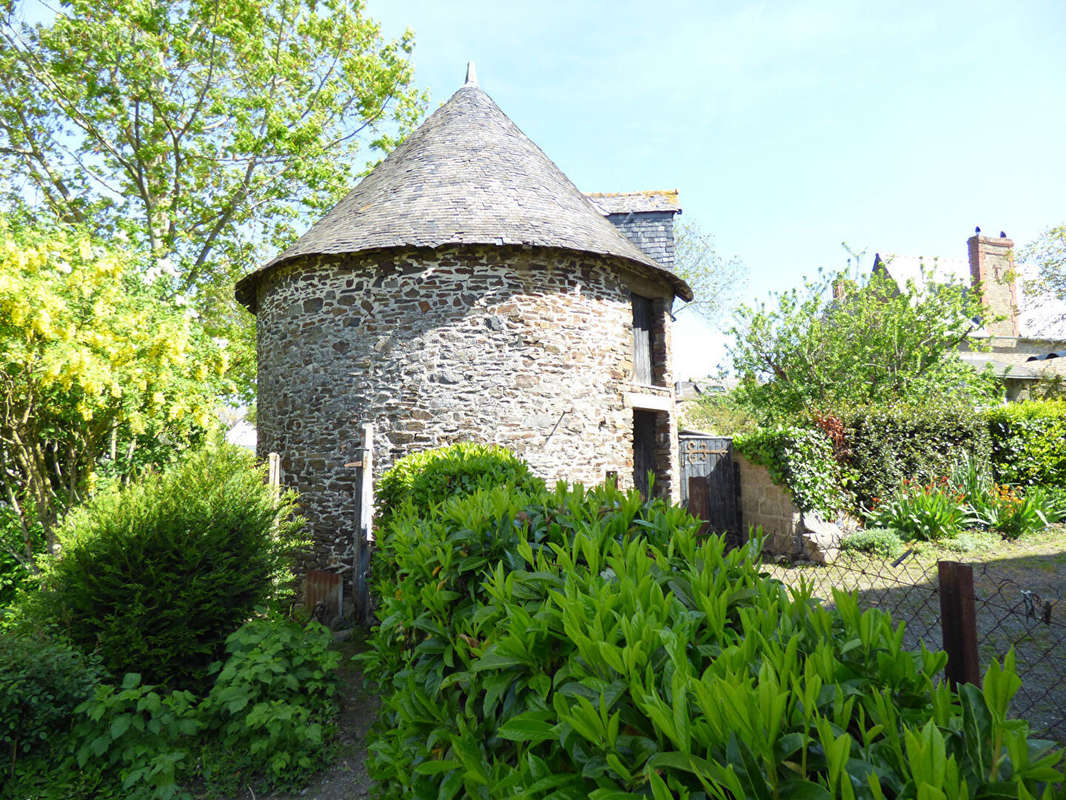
(764,504)
(530,349)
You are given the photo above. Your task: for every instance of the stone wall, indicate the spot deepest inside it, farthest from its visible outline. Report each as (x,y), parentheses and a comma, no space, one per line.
(764,504)
(530,349)
(786,530)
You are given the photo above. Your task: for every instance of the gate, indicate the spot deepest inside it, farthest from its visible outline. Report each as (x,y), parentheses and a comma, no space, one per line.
(710,483)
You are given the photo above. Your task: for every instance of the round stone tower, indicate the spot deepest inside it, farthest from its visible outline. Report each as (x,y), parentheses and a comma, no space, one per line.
(464,290)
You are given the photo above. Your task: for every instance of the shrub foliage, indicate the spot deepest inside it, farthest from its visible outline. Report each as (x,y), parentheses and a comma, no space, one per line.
(264,721)
(589,644)
(802,460)
(42,681)
(271,706)
(156,576)
(888,444)
(1029,443)
(431,477)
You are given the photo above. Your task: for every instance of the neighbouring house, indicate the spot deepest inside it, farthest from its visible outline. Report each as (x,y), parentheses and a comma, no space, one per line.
(466,290)
(1023,339)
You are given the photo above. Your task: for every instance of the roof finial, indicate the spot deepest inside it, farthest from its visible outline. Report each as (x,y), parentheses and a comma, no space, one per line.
(471,74)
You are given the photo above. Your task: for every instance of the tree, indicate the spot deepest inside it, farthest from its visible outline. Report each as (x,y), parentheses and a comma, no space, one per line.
(202,131)
(1046,256)
(94,364)
(872,342)
(716,281)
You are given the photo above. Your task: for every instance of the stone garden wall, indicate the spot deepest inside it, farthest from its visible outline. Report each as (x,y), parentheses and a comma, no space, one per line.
(787,531)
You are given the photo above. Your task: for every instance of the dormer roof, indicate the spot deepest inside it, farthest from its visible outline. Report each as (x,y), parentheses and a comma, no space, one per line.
(467,175)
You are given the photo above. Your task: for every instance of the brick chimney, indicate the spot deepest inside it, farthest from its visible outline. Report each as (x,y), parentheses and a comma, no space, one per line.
(992,273)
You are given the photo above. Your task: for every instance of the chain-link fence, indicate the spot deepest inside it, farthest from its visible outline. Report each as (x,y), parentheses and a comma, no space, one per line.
(1029,617)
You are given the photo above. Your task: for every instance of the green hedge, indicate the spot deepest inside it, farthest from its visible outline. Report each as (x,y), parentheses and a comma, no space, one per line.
(887,444)
(427,478)
(800,459)
(1029,443)
(592,645)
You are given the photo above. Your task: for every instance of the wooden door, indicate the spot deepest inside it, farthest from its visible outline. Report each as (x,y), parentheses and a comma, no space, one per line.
(710,484)
(643,448)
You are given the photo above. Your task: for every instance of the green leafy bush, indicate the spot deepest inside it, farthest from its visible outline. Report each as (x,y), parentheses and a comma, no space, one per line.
(592,645)
(431,477)
(156,576)
(801,460)
(14,574)
(139,736)
(875,541)
(1013,513)
(926,512)
(887,444)
(272,706)
(1029,443)
(42,681)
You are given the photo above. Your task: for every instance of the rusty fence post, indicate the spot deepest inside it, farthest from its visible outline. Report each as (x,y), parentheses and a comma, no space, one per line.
(958,618)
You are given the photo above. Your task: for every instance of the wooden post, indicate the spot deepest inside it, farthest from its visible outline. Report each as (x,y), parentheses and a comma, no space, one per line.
(274,482)
(274,476)
(363,528)
(958,618)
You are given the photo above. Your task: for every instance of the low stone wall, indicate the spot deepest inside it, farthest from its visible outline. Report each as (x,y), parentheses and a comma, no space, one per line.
(787,531)
(764,504)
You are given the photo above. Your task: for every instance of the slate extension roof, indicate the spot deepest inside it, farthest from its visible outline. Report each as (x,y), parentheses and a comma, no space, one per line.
(636,202)
(467,175)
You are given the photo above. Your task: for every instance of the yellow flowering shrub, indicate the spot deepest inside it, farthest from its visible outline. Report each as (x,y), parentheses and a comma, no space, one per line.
(96,370)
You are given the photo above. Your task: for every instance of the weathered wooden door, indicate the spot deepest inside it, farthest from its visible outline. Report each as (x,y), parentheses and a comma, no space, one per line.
(710,483)
(643,448)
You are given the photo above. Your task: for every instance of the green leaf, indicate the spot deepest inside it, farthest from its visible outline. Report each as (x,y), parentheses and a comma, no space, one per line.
(437,767)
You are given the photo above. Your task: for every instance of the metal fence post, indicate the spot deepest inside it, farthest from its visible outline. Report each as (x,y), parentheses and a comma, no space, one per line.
(958,618)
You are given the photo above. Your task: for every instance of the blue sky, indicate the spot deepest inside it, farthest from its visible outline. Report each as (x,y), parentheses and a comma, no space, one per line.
(788,127)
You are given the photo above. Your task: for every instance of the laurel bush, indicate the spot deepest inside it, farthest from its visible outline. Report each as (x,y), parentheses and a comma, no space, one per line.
(592,645)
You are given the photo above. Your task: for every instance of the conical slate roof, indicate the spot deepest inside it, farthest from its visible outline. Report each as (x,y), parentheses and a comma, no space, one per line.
(468,175)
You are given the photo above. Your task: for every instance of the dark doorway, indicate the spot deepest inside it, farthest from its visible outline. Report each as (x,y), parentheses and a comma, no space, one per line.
(710,483)
(643,448)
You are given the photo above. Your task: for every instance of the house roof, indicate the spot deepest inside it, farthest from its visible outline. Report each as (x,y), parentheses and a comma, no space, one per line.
(1040,316)
(636,202)
(467,175)
(1000,367)
(923,270)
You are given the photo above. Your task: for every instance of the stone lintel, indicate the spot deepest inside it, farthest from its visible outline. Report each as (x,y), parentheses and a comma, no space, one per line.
(650,402)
